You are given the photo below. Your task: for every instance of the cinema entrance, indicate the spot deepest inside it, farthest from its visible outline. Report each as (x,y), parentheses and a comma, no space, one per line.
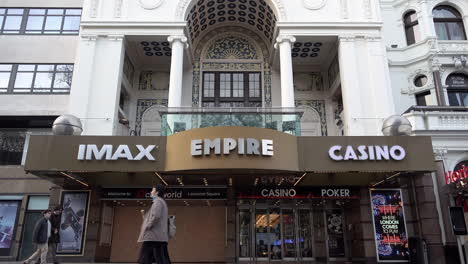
(269,197)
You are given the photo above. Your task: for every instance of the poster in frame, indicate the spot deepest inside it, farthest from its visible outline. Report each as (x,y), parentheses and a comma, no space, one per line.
(9,211)
(390,232)
(73,222)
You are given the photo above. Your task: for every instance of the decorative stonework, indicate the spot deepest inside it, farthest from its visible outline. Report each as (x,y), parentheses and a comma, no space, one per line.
(93,8)
(196,85)
(184,4)
(153,81)
(232,47)
(319,107)
(234,66)
(118,8)
(142,106)
(412,88)
(440,153)
(150,4)
(314,4)
(267,84)
(284,38)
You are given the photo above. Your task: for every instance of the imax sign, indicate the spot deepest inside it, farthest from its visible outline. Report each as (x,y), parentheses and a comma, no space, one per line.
(107,152)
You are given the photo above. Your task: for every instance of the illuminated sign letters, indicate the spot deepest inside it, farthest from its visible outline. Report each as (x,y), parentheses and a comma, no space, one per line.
(341,153)
(106,152)
(244,146)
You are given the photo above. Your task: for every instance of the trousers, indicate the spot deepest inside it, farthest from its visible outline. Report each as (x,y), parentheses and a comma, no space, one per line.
(41,252)
(154,251)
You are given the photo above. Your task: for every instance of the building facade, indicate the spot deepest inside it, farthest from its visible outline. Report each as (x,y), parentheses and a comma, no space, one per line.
(202,87)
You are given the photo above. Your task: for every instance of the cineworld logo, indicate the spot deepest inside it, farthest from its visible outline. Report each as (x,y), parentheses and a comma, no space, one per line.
(244,146)
(340,153)
(107,152)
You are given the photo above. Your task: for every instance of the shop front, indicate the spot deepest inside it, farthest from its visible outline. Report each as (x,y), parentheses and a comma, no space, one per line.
(241,194)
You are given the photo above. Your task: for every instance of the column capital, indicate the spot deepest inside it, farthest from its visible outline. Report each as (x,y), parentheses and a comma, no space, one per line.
(435,65)
(284,38)
(178,38)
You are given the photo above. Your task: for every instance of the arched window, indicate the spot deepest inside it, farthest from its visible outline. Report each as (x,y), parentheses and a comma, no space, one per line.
(412,28)
(448,23)
(457,89)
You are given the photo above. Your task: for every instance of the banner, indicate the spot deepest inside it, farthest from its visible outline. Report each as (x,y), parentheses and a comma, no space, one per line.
(391,239)
(8,217)
(172,193)
(298,192)
(73,223)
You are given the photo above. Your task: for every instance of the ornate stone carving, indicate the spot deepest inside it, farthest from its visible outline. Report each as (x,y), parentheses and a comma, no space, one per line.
(180,38)
(284,38)
(232,47)
(118,8)
(319,107)
(234,66)
(196,84)
(184,4)
(314,4)
(150,4)
(93,8)
(142,106)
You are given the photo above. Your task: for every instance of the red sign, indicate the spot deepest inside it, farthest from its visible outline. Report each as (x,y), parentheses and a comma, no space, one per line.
(454,176)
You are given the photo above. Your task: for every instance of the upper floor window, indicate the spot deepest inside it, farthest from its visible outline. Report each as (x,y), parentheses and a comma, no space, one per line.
(457,89)
(51,21)
(412,28)
(35,78)
(448,23)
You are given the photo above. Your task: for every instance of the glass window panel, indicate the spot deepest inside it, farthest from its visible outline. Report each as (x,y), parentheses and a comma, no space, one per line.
(43,80)
(64,68)
(2,10)
(238,85)
(72,23)
(275,234)
(225,85)
(441,31)
(53,23)
(244,233)
(26,67)
(4,79)
(35,23)
(456,31)
(15,11)
(38,203)
(335,230)
(305,234)
(37,11)
(13,23)
(63,80)
(24,80)
(43,67)
(1,21)
(5,67)
(261,234)
(3,90)
(289,236)
(445,12)
(73,11)
(55,11)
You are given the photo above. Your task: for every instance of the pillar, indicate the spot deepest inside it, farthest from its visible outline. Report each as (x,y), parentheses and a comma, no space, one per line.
(284,44)
(177,65)
(365,85)
(426,20)
(95,91)
(439,89)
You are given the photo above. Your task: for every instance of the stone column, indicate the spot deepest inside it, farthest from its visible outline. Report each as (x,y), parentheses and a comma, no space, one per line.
(96,84)
(439,89)
(284,44)
(177,64)
(426,20)
(365,84)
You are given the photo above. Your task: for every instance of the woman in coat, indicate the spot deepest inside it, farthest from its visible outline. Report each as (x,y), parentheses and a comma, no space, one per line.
(154,230)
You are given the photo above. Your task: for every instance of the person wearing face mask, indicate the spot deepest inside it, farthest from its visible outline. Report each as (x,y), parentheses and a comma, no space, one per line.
(154,231)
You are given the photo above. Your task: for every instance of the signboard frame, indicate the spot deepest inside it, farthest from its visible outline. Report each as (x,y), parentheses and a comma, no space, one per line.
(373,223)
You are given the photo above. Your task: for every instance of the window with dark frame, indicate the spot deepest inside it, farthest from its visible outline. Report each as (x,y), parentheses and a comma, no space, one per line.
(232,89)
(45,21)
(35,78)
(457,89)
(412,28)
(448,23)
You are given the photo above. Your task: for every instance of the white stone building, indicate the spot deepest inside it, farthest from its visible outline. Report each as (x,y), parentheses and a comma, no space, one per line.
(157,67)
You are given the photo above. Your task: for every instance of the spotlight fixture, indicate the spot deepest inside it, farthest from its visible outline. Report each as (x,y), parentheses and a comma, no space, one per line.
(205,181)
(180,181)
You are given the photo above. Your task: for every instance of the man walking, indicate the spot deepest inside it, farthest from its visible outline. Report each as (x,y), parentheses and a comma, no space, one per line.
(54,238)
(154,230)
(41,236)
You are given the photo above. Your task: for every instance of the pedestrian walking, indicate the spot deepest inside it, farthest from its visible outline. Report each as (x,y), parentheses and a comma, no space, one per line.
(154,232)
(41,235)
(54,238)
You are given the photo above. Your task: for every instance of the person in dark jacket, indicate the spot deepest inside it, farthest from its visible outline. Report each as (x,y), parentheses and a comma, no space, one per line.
(54,238)
(41,236)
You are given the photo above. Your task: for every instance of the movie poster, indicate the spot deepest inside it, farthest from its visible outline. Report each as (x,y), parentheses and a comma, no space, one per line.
(389,225)
(8,215)
(72,225)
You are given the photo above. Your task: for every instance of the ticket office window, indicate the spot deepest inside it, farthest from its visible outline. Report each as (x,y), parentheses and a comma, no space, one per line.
(275,233)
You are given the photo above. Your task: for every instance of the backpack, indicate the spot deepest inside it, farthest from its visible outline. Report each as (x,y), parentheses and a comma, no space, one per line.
(171,226)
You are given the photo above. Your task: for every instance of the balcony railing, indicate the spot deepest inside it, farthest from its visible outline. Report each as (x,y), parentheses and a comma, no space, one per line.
(437,118)
(181,119)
